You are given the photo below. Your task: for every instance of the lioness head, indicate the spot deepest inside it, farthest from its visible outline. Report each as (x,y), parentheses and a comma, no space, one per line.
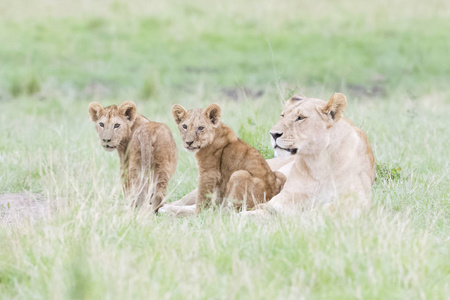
(305,123)
(113,123)
(197,126)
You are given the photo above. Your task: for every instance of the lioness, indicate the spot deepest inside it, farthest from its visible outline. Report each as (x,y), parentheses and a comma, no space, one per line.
(333,158)
(229,168)
(147,150)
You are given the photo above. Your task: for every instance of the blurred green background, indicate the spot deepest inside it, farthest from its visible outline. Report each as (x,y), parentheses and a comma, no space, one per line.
(138,49)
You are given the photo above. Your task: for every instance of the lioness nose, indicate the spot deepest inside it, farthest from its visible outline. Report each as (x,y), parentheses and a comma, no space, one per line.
(189,143)
(276,135)
(106,141)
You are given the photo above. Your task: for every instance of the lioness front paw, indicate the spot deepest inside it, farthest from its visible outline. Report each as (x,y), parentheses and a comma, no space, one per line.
(165,209)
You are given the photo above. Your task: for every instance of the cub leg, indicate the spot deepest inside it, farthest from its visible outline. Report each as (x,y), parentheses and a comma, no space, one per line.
(208,191)
(279,182)
(161,181)
(136,181)
(139,189)
(245,190)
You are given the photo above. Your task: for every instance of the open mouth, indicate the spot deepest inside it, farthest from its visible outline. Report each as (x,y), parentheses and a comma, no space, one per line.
(290,150)
(192,148)
(109,147)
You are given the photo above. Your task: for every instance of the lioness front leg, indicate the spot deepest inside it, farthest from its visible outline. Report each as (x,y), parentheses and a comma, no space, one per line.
(275,205)
(178,211)
(245,190)
(186,200)
(286,202)
(183,207)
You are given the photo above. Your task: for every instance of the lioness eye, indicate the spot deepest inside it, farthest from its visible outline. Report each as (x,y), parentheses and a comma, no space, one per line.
(184,126)
(101,124)
(117,125)
(201,128)
(300,118)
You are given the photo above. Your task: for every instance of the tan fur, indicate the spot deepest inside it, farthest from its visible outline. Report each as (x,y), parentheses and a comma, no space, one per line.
(147,150)
(229,169)
(186,205)
(333,160)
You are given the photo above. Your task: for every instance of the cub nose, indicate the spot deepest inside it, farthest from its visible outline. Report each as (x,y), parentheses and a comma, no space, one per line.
(276,135)
(106,141)
(189,143)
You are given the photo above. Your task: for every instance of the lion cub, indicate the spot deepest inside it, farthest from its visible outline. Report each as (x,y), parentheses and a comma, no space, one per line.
(147,150)
(229,169)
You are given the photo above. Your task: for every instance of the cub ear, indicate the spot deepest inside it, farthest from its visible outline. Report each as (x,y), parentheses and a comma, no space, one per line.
(178,112)
(212,112)
(128,109)
(335,106)
(95,110)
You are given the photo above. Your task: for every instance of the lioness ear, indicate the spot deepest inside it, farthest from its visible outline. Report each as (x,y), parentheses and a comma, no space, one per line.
(335,106)
(212,112)
(294,99)
(128,109)
(178,113)
(95,109)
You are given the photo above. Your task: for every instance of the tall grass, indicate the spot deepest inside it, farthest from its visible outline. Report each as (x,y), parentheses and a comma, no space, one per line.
(93,245)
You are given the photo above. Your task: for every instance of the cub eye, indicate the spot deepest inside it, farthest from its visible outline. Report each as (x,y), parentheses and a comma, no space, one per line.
(117,125)
(184,126)
(300,118)
(101,124)
(201,128)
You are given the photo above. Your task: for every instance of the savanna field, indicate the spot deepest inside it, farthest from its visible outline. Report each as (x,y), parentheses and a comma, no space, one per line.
(81,240)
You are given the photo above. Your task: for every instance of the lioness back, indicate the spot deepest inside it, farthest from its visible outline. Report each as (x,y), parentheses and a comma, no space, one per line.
(229,169)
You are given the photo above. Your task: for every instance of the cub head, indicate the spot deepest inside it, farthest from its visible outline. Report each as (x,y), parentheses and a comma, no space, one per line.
(197,126)
(113,123)
(305,123)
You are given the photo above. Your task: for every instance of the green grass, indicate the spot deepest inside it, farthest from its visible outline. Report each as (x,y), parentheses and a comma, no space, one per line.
(388,58)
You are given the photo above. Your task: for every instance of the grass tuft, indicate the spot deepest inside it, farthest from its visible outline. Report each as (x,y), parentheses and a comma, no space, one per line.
(150,87)
(385,172)
(26,86)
